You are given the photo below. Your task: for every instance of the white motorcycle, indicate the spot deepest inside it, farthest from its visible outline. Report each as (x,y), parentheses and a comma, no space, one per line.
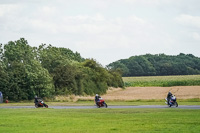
(172,101)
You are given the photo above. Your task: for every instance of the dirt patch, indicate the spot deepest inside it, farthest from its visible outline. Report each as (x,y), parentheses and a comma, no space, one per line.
(134,93)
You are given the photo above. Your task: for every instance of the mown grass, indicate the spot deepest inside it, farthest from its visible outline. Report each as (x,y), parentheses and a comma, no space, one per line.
(162,81)
(99,120)
(194,101)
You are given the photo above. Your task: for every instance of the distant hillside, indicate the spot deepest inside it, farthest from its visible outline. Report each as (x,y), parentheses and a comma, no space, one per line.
(157,65)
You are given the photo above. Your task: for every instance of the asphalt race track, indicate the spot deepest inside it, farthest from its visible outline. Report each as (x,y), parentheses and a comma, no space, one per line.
(113,106)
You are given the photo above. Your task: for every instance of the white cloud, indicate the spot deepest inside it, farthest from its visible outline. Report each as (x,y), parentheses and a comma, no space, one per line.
(109,32)
(128,27)
(189,20)
(85,24)
(152,3)
(48,10)
(8,9)
(143,1)
(43,26)
(196,36)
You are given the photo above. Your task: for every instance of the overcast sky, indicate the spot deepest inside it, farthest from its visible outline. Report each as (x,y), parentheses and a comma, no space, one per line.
(106,30)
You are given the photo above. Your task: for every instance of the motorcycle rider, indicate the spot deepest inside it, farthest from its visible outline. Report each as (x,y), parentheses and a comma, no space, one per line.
(36,99)
(169,95)
(97,98)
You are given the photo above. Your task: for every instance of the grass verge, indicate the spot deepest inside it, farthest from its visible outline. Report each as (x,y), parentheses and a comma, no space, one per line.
(99,120)
(194,101)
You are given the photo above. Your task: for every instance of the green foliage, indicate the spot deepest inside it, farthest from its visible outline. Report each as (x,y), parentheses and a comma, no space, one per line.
(102,78)
(115,79)
(47,71)
(39,80)
(158,65)
(70,55)
(25,77)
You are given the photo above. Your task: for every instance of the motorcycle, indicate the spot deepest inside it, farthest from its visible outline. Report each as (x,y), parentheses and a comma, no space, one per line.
(172,101)
(40,103)
(101,103)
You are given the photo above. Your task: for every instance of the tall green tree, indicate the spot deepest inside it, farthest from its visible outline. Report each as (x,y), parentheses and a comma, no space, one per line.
(27,77)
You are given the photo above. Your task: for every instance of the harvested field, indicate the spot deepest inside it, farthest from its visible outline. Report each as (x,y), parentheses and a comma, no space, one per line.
(143,93)
(134,93)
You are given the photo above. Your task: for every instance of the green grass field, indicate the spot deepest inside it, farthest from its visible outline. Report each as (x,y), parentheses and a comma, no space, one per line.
(162,81)
(108,120)
(99,120)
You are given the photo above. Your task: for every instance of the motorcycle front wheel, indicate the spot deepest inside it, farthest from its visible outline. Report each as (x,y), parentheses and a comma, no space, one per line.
(45,105)
(176,104)
(105,105)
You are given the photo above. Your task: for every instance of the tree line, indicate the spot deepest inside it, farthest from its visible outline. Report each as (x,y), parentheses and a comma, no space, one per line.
(157,65)
(47,71)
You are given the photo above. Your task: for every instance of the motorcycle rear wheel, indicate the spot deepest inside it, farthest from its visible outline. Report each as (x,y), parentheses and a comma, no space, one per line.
(105,105)
(36,106)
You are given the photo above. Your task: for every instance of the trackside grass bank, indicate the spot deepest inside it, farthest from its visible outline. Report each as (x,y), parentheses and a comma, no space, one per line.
(193,101)
(99,120)
(162,81)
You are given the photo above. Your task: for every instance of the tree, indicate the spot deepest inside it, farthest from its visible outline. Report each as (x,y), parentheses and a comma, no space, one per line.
(46,71)
(26,75)
(120,66)
(159,64)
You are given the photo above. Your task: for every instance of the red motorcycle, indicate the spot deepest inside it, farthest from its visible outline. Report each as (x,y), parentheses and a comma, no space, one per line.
(101,103)
(40,103)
